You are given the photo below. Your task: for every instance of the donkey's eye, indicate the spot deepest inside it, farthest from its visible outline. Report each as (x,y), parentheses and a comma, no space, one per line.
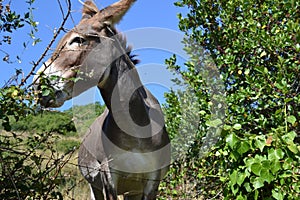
(77,40)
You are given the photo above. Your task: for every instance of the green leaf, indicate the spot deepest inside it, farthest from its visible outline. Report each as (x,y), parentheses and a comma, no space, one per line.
(202,112)
(240,18)
(214,123)
(26,15)
(275,167)
(232,140)
(226,127)
(266,175)
(234,155)
(275,154)
(233,177)
(46,92)
(248,187)
(256,168)
(241,178)
(240,197)
(263,54)
(291,136)
(237,126)
(260,142)
(266,164)
(257,182)
(244,147)
(35,41)
(247,71)
(287,164)
(234,190)
(291,119)
(293,148)
(277,194)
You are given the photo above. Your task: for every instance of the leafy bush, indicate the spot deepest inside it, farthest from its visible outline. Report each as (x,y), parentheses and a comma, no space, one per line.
(47,121)
(255,47)
(30,166)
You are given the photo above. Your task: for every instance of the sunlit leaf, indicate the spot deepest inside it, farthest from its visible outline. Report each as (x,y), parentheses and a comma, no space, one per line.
(232,140)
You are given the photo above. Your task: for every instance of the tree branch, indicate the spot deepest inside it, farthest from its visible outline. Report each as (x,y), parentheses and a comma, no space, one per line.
(61,28)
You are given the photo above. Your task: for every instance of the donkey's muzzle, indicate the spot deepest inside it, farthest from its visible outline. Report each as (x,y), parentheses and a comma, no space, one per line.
(49,100)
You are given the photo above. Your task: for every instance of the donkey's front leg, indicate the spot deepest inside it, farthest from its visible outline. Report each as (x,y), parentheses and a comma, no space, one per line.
(151,196)
(96,194)
(110,181)
(151,190)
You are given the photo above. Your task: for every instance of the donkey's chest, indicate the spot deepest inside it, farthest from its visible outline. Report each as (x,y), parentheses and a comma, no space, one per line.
(133,158)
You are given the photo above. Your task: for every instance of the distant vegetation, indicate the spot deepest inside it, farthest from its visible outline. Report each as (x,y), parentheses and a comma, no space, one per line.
(43,148)
(60,122)
(69,125)
(46,121)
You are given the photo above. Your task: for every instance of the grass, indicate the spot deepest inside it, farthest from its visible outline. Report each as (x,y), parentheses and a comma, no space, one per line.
(74,187)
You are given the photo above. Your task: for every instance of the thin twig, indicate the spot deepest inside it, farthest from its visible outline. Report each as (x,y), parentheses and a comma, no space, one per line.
(62,162)
(61,28)
(11,178)
(218,194)
(61,9)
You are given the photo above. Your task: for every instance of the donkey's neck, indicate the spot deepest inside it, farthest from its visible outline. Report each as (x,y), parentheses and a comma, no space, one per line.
(123,92)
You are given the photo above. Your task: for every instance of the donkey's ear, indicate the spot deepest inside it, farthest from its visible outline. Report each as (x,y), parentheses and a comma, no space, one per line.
(89,9)
(114,13)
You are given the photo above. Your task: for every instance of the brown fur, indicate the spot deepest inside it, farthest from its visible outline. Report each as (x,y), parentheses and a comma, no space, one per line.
(89,9)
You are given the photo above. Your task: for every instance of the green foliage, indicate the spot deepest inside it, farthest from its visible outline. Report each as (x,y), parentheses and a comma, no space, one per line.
(47,121)
(58,122)
(30,166)
(255,47)
(34,153)
(14,103)
(11,21)
(67,145)
(84,116)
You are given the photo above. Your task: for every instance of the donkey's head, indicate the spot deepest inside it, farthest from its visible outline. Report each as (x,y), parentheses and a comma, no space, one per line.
(74,55)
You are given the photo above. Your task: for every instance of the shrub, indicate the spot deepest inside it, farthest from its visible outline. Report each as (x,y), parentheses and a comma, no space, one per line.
(255,48)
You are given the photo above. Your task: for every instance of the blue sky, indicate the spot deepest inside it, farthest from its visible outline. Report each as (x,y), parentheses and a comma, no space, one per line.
(151,27)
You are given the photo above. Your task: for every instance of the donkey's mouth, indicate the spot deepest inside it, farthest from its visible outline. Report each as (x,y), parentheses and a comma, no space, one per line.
(52,101)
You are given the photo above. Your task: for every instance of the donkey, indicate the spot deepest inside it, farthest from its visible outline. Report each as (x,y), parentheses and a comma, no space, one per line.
(126,151)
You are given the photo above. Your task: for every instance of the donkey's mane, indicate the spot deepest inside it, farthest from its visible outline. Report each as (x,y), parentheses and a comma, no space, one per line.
(123,43)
